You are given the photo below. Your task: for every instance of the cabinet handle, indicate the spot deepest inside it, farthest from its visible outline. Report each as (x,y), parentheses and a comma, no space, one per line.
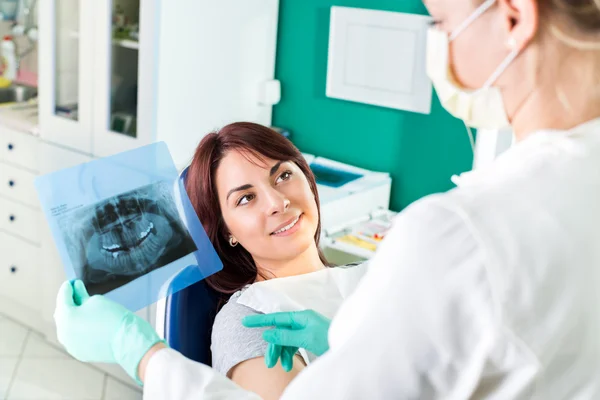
(10,146)
(11,183)
(12,218)
(13,269)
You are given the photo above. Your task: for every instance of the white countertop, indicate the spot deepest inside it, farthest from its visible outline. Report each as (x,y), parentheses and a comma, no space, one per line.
(23,117)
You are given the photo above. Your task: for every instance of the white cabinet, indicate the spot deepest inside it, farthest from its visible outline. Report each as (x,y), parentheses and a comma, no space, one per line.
(19,271)
(20,223)
(19,220)
(19,149)
(119,74)
(16,184)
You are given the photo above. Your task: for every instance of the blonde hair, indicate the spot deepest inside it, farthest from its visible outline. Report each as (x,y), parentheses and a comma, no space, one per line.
(585,14)
(582,15)
(579,30)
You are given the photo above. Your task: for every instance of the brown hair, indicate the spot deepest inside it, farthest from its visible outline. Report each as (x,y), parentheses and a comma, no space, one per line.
(239,268)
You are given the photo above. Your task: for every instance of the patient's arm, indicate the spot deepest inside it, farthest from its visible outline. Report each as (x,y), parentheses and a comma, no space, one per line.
(238,352)
(268,383)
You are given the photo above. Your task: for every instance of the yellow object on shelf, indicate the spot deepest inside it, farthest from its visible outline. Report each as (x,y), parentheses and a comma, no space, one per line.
(4,83)
(353,240)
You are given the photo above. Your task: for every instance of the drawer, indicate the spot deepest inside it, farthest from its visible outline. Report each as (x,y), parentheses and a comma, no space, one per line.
(18,266)
(17,184)
(20,220)
(19,148)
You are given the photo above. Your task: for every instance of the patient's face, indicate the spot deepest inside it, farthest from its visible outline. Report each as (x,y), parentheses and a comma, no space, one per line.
(267,205)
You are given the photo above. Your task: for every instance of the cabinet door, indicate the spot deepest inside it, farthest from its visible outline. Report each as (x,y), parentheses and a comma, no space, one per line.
(66,67)
(19,275)
(126,43)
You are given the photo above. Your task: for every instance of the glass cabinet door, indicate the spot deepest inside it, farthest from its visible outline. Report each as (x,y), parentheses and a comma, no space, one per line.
(66,62)
(125,44)
(65,72)
(124,59)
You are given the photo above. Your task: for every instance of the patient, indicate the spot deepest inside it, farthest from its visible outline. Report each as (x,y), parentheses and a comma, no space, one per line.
(257,199)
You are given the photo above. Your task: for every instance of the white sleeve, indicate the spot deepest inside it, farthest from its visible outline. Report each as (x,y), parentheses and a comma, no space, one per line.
(421,323)
(171,376)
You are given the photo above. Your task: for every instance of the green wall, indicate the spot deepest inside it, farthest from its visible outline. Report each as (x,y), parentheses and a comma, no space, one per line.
(420,151)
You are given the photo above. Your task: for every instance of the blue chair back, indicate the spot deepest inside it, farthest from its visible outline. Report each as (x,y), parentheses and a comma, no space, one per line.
(189,317)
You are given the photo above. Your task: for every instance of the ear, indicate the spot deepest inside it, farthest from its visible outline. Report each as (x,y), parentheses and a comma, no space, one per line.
(223,229)
(228,235)
(522,21)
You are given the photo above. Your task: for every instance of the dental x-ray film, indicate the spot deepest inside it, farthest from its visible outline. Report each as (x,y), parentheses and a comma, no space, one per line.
(125,226)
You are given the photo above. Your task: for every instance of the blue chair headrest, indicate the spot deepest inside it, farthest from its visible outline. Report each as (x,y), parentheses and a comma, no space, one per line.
(189,316)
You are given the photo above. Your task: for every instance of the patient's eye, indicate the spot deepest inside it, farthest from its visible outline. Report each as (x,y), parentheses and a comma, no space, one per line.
(245,199)
(284,176)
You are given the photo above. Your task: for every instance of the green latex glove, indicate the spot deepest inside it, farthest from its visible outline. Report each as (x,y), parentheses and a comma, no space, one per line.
(95,329)
(276,352)
(292,330)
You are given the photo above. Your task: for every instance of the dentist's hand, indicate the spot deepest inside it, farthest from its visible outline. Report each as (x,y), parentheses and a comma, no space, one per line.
(95,329)
(302,329)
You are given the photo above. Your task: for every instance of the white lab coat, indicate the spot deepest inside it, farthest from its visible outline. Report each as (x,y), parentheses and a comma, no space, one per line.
(490,291)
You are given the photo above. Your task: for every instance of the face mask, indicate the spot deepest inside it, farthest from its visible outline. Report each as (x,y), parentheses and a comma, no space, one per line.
(482,108)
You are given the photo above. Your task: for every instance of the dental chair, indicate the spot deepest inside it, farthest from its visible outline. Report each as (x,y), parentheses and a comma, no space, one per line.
(189,316)
(185,318)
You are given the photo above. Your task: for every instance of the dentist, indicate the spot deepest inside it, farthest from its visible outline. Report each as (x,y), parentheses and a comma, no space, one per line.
(489,291)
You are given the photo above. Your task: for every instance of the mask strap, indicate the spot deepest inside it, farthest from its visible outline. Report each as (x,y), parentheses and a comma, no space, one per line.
(501,68)
(476,14)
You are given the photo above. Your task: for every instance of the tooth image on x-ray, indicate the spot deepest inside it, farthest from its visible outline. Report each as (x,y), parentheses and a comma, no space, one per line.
(122,238)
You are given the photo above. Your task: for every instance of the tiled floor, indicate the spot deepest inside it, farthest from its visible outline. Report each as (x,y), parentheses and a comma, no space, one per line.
(33,369)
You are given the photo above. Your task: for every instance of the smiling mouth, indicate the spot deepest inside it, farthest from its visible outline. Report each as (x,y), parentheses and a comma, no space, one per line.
(115,249)
(287,227)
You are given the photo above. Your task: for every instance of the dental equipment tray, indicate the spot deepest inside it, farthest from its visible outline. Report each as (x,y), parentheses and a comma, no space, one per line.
(347,192)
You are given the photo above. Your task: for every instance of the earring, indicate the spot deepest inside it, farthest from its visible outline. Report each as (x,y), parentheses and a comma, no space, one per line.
(511,43)
(232,241)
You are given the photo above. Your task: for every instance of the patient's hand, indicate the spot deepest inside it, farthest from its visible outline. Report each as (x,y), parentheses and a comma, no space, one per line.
(268,383)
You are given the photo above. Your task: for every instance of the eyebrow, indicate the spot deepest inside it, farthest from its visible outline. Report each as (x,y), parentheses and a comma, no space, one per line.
(248,186)
(238,189)
(275,168)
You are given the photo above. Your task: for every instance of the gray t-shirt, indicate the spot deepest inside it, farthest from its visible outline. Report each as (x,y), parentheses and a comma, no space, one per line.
(233,343)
